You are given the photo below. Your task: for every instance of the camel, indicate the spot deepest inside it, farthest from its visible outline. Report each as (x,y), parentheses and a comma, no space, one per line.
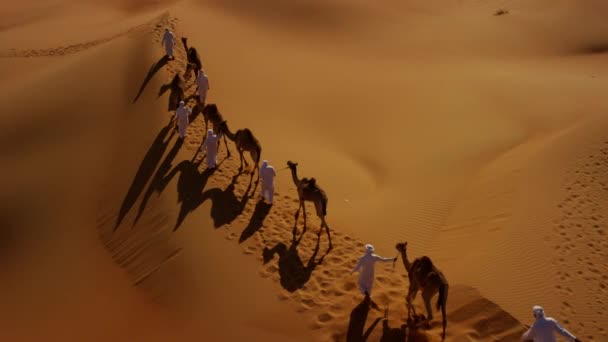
(244,141)
(309,190)
(425,276)
(193,64)
(177,86)
(211,113)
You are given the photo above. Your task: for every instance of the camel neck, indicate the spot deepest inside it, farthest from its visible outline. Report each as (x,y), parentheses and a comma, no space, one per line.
(294,175)
(228,133)
(406,262)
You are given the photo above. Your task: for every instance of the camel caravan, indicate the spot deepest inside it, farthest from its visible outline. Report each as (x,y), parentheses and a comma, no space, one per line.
(423,274)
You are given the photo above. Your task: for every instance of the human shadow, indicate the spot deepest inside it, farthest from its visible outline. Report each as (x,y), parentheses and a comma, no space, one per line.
(356,326)
(145,171)
(190,186)
(257,220)
(154,68)
(226,207)
(160,180)
(294,274)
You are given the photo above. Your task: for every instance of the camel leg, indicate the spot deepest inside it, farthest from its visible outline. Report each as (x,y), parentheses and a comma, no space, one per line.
(304,213)
(444,321)
(241,155)
(411,294)
(427,295)
(295,226)
(227,149)
(245,159)
(327,230)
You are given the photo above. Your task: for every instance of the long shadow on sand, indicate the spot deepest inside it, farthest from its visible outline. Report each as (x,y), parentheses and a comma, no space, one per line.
(356,326)
(410,332)
(190,186)
(176,88)
(294,274)
(226,207)
(145,171)
(257,220)
(154,68)
(160,179)
(393,334)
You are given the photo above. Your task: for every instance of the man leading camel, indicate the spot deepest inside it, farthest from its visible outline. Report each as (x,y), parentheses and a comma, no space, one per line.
(544,328)
(168,41)
(267,173)
(182,114)
(211,144)
(202,83)
(366,265)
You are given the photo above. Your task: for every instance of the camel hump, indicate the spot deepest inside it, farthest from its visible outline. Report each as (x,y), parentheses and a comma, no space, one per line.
(426,262)
(312,182)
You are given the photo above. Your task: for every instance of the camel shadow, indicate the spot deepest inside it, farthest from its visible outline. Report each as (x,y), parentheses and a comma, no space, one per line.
(294,274)
(393,334)
(160,179)
(196,111)
(145,171)
(226,207)
(154,68)
(190,186)
(410,332)
(176,86)
(257,220)
(356,326)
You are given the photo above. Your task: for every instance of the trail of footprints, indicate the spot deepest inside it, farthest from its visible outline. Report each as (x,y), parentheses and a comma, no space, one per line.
(320,284)
(580,230)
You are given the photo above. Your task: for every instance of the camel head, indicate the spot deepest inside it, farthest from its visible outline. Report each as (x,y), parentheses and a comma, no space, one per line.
(401,247)
(292,165)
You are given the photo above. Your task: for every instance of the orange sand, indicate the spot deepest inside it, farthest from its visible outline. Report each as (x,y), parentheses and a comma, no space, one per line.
(479,139)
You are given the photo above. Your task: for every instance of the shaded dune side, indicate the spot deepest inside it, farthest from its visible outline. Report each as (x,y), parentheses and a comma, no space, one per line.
(58,280)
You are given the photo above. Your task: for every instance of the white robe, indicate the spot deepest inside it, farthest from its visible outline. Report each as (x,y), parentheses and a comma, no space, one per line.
(182,114)
(544,329)
(168,41)
(202,81)
(267,173)
(211,145)
(366,275)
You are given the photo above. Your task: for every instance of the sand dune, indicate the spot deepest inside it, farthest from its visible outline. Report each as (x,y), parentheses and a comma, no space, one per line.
(479,139)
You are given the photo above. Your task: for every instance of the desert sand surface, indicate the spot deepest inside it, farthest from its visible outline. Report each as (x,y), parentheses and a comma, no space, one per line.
(478,139)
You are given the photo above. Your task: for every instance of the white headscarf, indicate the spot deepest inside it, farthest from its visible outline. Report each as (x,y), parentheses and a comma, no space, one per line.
(181,104)
(264,164)
(209,133)
(369,249)
(538,311)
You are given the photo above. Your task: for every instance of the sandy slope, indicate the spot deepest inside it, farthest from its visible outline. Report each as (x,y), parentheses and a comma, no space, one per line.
(478,139)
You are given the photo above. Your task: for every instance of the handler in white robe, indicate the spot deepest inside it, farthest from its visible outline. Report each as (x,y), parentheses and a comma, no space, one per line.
(545,328)
(365,266)
(267,173)
(202,82)
(182,114)
(168,41)
(211,145)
